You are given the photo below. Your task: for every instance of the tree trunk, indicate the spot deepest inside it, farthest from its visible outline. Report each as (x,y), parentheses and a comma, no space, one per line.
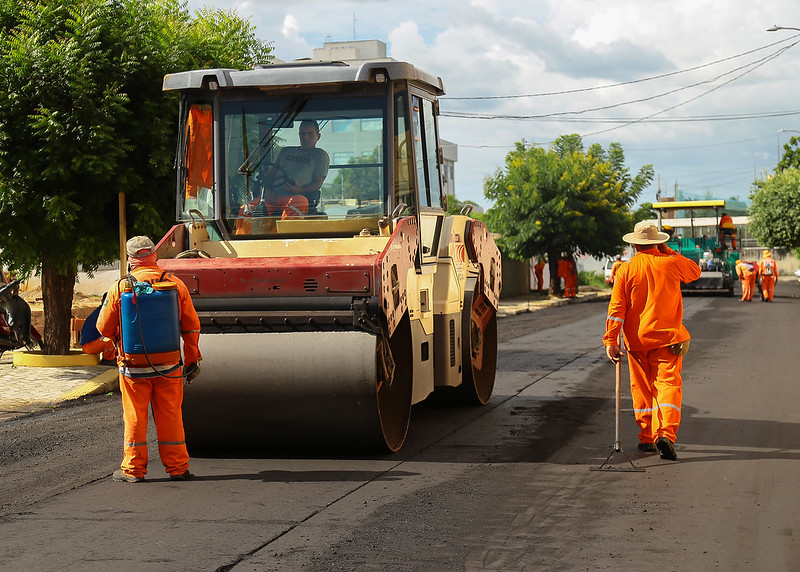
(57,290)
(555,282)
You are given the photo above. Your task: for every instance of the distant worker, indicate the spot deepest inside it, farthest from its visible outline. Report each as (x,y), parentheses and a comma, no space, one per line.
(647,306)
(726,228)
(708,262)
(768,272)
(94,343)
(538,270)
(142,386)
(568,271)
(747,273)
(614,267)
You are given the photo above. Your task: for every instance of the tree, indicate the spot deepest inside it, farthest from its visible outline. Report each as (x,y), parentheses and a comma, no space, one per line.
(83,118)
(563,199)
(775,209)
(362,183)
(791,155)
(454,206)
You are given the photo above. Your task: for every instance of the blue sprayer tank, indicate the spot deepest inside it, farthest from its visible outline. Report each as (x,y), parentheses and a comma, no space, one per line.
(157,308)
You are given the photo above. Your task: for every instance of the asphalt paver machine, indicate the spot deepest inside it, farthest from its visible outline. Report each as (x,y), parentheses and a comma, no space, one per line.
(715,256)
(322,326)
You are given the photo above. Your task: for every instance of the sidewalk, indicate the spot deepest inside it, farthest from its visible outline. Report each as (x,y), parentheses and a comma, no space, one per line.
(26,390)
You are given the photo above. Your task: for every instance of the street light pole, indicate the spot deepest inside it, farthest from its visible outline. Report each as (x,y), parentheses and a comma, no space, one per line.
(776,28)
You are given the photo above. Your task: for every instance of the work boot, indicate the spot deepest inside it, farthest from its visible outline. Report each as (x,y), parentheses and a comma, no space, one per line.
(647,447)
(667,449)
(120,476)
(185,476)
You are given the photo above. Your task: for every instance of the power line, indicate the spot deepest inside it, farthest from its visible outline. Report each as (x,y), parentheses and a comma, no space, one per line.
(619,84)
(559,114)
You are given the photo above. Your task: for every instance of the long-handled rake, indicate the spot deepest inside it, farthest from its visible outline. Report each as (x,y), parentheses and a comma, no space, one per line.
(606,466)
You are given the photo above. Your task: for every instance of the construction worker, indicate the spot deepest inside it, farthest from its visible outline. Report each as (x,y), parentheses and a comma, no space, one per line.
(143,386)
(647,306)
(568,271)
(768,271)
(747,273)
(91,340)
(614,267)
(538,270)
(727,228)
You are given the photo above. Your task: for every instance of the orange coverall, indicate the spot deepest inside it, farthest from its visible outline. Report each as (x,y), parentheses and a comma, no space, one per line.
(647,305)
(614,269)
(768,280)
(538,270)
(165,393)
(747,273)
(566,270)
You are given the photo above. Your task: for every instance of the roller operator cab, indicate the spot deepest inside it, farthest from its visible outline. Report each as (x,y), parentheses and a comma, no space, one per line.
(333,290)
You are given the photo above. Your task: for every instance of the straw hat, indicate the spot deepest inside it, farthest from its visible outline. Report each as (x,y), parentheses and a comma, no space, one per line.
(766,253)
(645,233)
(137,244)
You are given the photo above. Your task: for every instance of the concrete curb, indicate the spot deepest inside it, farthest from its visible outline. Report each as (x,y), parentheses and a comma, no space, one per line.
(103,383)
(75,358)
(515,306)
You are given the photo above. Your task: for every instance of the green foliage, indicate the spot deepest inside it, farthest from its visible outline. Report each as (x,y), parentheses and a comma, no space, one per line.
(454,207)
(565,199)
(791,155)
(644,212)
(362,184)
(83,118)
(775,209)
(592,278)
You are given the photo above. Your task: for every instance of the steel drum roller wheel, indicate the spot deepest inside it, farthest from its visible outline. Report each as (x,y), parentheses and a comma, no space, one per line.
(479,335)
(394,385)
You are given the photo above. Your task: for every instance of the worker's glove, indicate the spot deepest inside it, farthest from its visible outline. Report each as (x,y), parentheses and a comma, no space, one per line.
(191,372)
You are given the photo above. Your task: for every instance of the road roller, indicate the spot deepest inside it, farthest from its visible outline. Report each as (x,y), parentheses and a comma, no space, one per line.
(333,289)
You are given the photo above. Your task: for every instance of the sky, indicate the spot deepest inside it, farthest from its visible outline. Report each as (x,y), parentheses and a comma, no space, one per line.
(698,89)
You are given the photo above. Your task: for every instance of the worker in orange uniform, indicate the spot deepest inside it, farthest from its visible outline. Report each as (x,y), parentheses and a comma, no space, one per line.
(646,304)
(140,387)
(568,271)
(727,228)
(538,270)
(768,271)
(747,273)
(614,267)
(91,340)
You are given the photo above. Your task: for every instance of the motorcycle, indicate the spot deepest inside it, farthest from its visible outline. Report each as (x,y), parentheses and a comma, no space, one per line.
(16,330)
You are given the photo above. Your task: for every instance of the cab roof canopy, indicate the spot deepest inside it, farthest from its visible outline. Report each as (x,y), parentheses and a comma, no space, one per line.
(304,72)
(688,205)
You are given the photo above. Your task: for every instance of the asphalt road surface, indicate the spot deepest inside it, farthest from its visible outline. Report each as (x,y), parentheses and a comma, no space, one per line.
(509,486)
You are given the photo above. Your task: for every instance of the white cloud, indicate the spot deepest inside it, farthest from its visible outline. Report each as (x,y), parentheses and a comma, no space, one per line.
(505,47)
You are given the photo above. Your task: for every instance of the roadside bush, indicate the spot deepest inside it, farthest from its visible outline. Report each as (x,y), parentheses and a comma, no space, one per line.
(592,278)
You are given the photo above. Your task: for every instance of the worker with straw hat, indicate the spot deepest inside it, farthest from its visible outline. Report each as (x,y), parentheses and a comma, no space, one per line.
(646,304)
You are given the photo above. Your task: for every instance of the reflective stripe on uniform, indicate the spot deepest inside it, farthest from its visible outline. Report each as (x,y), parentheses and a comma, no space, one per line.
(620,320)
(172,442)
(130,444)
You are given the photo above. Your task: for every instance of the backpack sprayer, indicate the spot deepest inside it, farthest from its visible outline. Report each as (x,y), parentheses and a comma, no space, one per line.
(150,327)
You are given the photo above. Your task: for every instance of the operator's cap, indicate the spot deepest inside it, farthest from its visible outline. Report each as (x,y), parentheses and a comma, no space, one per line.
(139,247)
(645,233)
(766,253)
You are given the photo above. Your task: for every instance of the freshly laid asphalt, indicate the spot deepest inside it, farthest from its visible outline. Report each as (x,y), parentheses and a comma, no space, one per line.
(28,389)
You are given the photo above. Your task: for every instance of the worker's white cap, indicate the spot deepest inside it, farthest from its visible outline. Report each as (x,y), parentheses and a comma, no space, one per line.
(139,247)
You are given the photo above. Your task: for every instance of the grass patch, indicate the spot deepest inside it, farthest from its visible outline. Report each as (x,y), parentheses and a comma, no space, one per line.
(586,278)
